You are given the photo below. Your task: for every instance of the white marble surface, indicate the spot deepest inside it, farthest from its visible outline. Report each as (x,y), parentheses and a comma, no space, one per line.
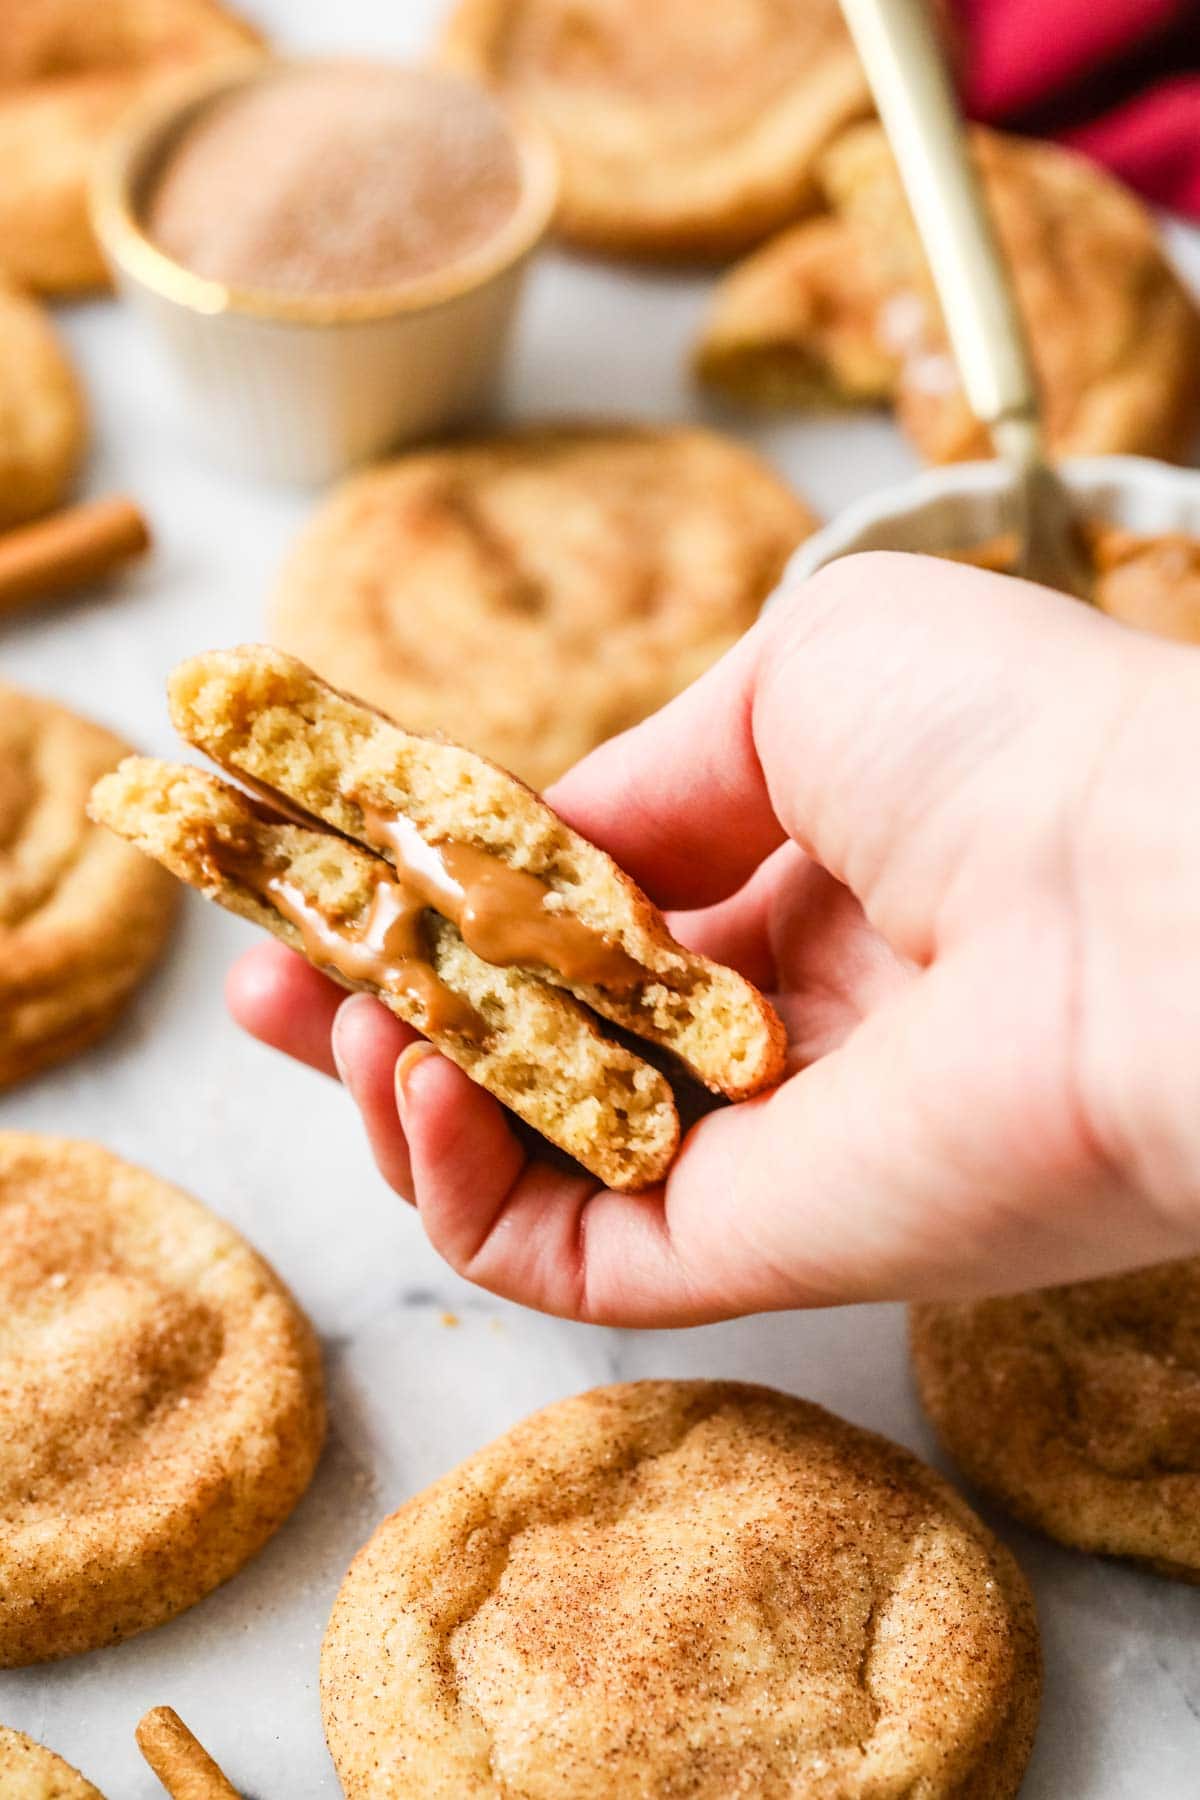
(275,1148)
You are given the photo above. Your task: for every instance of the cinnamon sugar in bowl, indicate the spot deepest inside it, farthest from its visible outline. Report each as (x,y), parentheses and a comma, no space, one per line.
(333,251)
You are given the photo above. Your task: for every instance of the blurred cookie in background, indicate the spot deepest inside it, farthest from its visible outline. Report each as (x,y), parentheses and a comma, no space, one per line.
(1150,582)
(842,308)
(535,593)
(68,70)
(161,1410)
(28,1771)
(180,1761)
(1078,1408)
(82,917)
(43,416)
(683,130)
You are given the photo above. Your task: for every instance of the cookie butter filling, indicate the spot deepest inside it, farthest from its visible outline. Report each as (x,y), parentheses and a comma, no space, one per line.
(388,949)
(505,915)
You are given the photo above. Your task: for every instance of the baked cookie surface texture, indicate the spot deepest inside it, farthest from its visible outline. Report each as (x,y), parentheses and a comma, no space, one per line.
(842,307)
(28,1771)
(68,70)
(415,870)
(682,130)
(1078,1408)
(161,1404)
(43,415)
(82,919)
(673,1588)
(534,594)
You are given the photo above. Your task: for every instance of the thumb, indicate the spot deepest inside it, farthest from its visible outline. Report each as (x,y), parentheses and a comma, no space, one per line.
(868,717)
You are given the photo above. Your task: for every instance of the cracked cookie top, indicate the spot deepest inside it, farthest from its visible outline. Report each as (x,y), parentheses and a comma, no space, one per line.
(82,917)
(534,594)
(843,306)
(68,70)
(1079,1408)
(677,1588)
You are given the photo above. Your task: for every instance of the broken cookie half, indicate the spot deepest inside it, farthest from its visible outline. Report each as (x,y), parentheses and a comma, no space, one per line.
(415,870)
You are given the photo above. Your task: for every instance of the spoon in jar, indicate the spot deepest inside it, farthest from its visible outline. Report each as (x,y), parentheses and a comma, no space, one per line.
(900,52)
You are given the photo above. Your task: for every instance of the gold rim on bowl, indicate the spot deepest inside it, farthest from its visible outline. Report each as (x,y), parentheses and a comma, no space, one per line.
(136,147)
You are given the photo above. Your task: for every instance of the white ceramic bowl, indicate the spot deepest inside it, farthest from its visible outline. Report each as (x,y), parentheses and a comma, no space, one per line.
(297,387)
(967,503)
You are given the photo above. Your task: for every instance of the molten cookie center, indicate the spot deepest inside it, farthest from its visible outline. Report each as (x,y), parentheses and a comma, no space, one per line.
(505,915)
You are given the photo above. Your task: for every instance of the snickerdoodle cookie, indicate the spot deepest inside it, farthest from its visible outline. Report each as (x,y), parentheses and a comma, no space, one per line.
(1078,1408)
(682,130)
(843,307)
(43,418)
(28,1771)
(68,70)
(1150,582)
(82,918)
(534,594)
(427,875)
(160,1399)
(678,1588)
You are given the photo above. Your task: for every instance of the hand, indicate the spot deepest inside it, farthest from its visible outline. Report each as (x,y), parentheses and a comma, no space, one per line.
(949,821)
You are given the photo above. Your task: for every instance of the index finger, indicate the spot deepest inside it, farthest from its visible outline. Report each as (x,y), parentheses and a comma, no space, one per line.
(680,801)
(863,717)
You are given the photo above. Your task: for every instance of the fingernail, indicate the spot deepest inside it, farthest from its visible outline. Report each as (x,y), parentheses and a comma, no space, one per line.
(334,1034)
(405,1063)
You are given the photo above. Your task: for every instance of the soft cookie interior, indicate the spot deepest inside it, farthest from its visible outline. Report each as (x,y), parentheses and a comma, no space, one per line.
(273,724)
(532,1045)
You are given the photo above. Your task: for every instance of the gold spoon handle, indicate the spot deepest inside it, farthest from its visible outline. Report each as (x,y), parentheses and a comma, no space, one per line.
(905,67)
(900,51)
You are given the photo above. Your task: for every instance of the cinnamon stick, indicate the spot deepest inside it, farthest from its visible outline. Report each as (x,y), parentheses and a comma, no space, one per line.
(181,1763)
(69,549)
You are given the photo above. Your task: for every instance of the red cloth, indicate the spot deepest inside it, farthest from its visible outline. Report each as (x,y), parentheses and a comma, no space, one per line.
(1118,79)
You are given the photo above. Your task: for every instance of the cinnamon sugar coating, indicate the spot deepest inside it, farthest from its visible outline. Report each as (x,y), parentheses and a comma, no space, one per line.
(682,130)
(536,593)
(82,918)
(1078,1408)
(28,1771)
(842,307)
(682,1588)
(332,145)
(161,1404)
